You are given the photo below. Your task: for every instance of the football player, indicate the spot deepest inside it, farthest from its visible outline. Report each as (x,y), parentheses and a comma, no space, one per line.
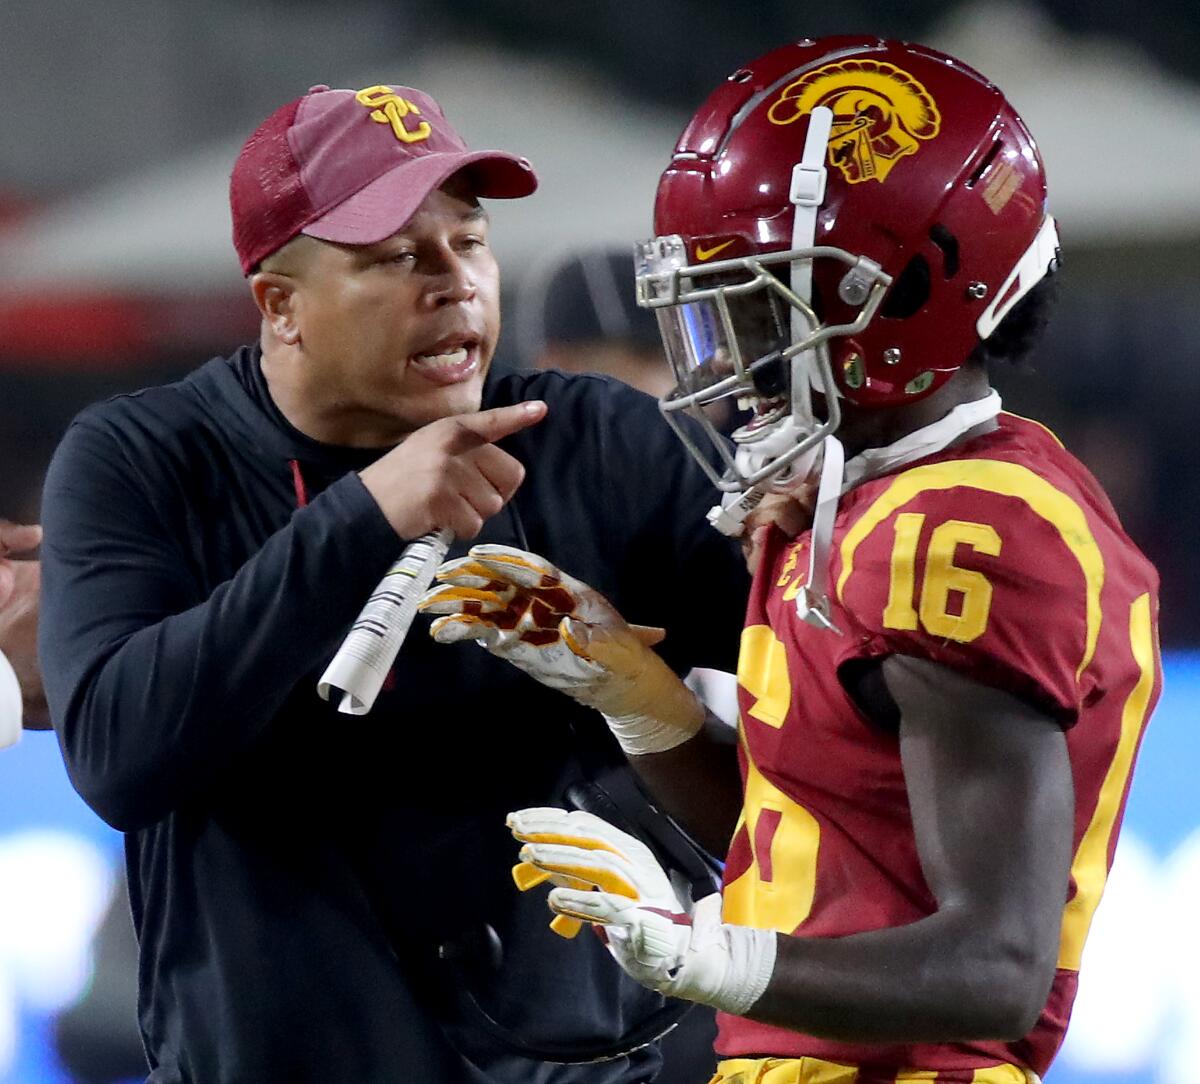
(944,678)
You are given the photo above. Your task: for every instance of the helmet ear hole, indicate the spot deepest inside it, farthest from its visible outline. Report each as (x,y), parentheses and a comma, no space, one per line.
(909,292)
(948,243)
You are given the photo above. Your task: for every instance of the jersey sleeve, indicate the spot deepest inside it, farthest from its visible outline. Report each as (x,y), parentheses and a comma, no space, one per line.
(986,568)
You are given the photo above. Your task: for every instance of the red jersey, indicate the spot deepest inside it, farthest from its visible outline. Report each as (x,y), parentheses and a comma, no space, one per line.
(1001,558)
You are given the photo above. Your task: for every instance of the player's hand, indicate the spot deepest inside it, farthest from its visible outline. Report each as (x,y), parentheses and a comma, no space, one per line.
(611,879)
(20,581)
(569,637)
(449,473)
(791,513)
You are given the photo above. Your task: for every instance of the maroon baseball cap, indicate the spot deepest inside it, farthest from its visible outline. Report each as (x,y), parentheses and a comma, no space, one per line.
(353,166)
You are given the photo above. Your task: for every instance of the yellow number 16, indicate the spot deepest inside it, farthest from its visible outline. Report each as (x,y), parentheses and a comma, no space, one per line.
(942,576)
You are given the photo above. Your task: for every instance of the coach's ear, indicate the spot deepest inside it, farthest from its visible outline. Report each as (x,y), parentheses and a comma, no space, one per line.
(274,294)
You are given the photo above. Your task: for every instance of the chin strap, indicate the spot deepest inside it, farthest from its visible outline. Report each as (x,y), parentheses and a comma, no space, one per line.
(806,195)
(839,477)
(812,603)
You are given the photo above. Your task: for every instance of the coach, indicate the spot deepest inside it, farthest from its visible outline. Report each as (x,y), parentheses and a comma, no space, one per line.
(319,897)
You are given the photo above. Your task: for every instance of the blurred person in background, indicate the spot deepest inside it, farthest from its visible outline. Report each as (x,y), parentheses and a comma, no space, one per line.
(210,543)
(22,698)
(945,679)
(578,313)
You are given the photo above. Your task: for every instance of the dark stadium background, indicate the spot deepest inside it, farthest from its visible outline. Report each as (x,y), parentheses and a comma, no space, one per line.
(119,123)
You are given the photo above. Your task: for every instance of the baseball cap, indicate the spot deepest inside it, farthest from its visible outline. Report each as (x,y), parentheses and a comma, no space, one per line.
(353,166)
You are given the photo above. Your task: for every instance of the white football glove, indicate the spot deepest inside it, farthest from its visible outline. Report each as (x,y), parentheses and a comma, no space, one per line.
(568,636)
(657,938)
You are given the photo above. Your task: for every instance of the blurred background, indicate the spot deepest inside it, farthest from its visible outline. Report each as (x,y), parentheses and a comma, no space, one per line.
(120,122)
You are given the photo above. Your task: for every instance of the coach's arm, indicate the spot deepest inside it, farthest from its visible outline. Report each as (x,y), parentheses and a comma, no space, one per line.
(154,687)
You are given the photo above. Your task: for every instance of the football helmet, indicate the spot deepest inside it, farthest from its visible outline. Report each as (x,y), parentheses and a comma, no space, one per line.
(850,216)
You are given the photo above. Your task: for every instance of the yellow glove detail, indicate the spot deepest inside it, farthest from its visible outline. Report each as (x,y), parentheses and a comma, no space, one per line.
(653,931)
(569,637)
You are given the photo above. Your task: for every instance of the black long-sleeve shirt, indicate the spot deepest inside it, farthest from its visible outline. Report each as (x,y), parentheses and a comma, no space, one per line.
(295,874)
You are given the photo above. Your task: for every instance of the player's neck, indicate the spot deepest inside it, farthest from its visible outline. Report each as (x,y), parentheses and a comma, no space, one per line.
(862,429)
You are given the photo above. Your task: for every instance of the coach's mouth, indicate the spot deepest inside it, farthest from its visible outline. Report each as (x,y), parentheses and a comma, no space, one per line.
(448,361)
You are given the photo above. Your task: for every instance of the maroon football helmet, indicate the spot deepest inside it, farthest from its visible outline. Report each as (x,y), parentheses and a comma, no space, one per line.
(848,215)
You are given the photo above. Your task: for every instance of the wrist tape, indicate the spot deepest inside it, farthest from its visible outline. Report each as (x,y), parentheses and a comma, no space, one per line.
(677,718)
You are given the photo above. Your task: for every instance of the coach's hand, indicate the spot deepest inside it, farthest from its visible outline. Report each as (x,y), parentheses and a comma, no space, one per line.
(449,473)
(568,636)
(791,513)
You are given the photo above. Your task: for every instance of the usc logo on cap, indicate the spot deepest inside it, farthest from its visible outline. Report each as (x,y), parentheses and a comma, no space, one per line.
(389,108)
(880,114)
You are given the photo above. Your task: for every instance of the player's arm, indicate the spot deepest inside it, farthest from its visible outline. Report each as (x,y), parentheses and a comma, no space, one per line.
(990,789)
(992,804)
(566,635)
(697,783)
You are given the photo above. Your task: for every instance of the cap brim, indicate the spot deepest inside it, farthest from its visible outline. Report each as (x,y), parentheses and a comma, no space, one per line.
(388,202)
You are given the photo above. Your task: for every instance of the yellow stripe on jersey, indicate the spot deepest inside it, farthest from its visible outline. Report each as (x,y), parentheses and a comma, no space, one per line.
(818,1071)
(993,1074)
(783,1071)
(1007,480)
(1033,421)
(776,891)
(1089,869)
(763,673)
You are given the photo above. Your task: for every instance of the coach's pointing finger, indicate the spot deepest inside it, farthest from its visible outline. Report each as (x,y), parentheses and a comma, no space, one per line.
(488,426)
(449,473)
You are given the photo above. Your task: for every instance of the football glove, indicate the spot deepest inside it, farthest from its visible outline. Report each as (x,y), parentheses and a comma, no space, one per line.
(608,878)
(568,636)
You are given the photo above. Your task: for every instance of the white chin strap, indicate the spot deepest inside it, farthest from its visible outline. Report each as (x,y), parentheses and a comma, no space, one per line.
(839,477)
(812,602)
(807,193)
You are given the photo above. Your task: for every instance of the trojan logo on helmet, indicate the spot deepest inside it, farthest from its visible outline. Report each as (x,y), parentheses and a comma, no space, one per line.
(869,293)
(880,114)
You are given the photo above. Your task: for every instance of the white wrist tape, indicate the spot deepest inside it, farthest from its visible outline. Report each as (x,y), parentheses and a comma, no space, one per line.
(751,964)
(641,734)
(727,967)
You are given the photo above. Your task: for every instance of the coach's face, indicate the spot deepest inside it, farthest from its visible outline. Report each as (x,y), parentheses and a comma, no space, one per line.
(386,338)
